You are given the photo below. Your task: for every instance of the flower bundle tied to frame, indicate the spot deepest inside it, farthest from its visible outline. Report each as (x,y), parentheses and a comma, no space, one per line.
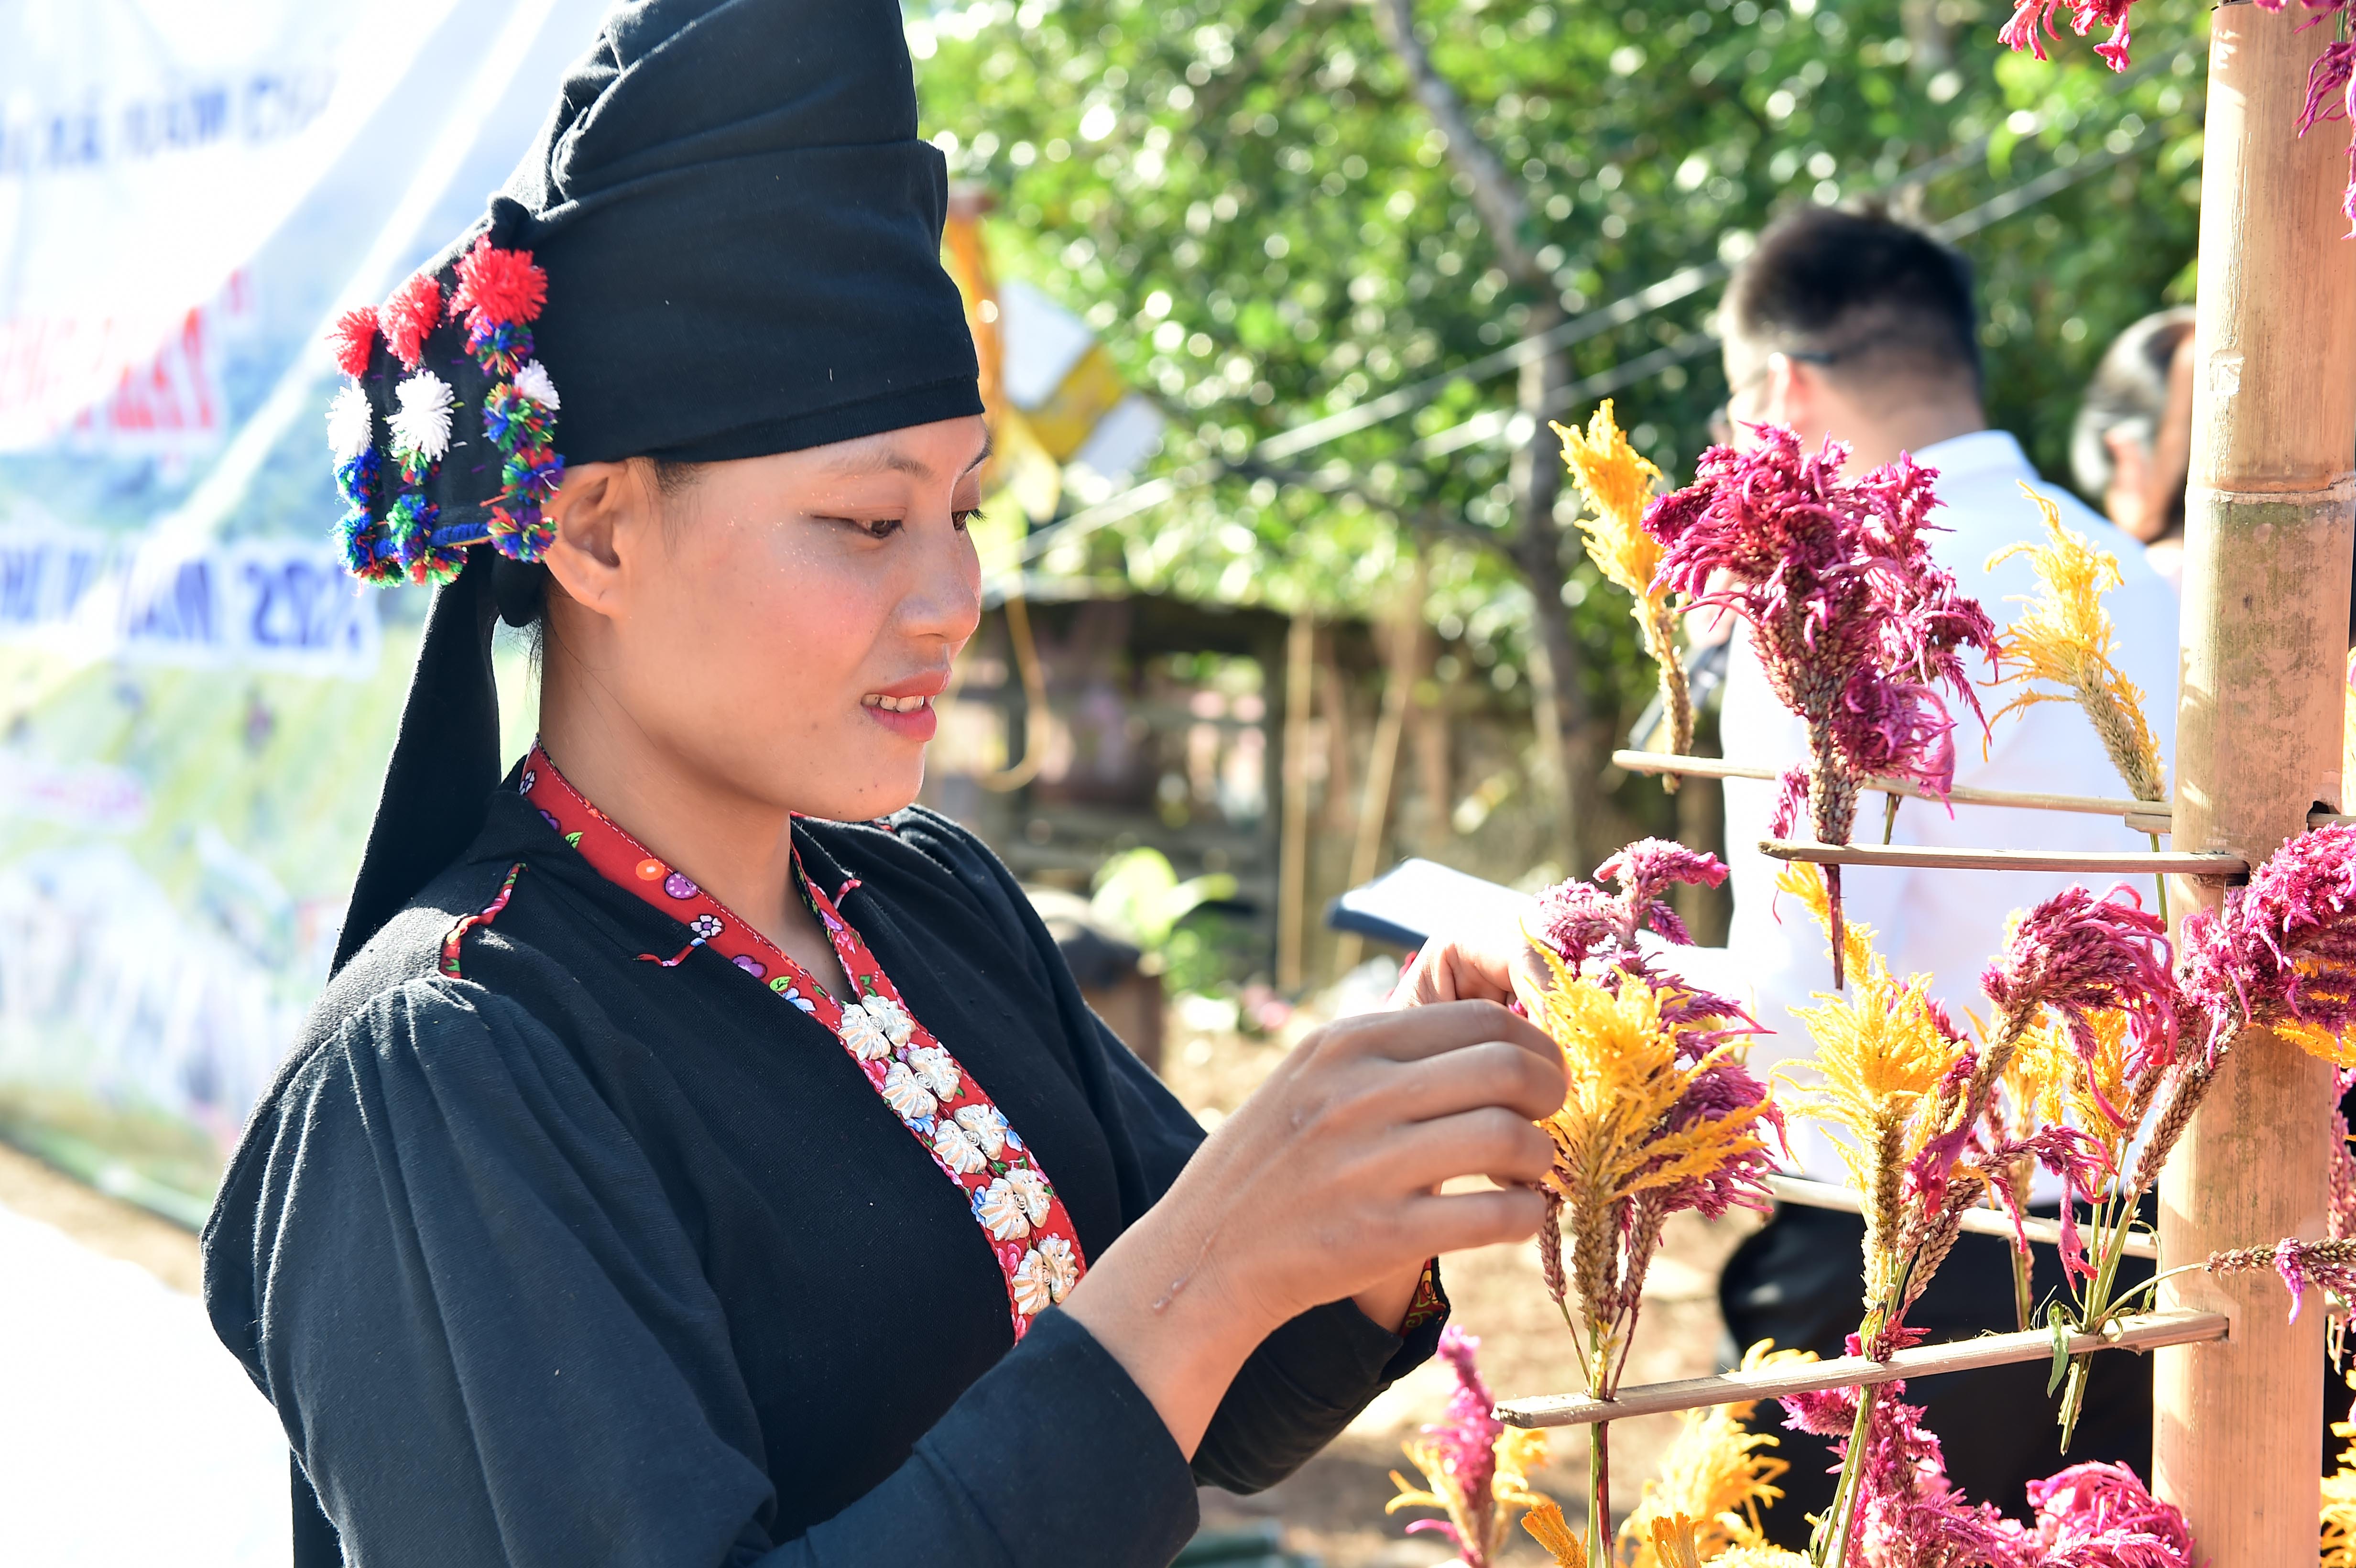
(1856,625)
(1617,484)
(1906,1097)
(1661,1115)
(1473,1466)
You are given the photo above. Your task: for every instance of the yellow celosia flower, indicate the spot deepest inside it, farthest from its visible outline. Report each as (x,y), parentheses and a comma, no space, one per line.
(1550,1530)
(1625,1075)
(1880,1056)
(2050,1083)
(1716,1474)
(2339,1501)
(1618,482)
(1758,1557)
(2063,639)
(1520,1450)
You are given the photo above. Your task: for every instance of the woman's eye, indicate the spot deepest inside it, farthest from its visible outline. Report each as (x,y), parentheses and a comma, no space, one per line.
(874,527)
(965,519)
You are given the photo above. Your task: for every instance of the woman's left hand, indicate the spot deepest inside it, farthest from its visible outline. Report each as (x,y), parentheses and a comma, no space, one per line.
(1471,962)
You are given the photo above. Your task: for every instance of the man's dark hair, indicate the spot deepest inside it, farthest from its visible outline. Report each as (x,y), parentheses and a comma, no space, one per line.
(1861,293)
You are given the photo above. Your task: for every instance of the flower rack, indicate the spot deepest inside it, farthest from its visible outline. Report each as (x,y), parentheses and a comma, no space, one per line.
(2271,511)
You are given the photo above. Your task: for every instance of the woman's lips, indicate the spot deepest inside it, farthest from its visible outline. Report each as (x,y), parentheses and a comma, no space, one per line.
(910,716)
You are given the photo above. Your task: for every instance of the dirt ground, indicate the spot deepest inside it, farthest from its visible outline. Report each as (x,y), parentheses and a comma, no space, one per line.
(103,1225)
(1334,1508)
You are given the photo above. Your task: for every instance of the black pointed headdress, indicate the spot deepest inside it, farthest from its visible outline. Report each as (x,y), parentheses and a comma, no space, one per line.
(724,243)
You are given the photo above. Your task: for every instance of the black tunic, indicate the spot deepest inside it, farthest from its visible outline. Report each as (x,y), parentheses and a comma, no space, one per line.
(575,1259)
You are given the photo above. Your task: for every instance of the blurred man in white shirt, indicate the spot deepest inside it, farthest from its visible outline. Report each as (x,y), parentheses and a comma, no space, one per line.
(1864,329)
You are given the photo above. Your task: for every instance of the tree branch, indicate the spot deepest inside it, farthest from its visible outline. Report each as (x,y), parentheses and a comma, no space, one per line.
(1504,204)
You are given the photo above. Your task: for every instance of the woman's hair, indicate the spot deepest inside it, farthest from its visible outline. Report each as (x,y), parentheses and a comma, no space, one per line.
(2129,394)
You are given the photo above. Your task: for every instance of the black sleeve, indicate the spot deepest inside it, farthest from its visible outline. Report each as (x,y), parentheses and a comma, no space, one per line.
(461,1284)
(1309,1378)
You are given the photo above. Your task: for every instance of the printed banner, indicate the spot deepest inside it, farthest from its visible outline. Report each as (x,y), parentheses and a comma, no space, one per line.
(198,704)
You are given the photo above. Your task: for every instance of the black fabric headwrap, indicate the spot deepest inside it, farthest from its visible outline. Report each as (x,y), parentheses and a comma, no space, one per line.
(740,232)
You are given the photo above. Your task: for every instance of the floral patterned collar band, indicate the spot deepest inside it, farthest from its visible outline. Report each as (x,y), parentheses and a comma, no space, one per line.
(948,1114)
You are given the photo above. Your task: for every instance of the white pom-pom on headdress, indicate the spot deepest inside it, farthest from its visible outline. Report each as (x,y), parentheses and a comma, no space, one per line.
(349,428)
(532,382)
(422,423)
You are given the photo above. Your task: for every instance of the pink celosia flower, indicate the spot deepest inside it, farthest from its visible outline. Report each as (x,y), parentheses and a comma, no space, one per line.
(2329,1264)
(2283,949)
(1466,1435)
(2031,18)
(2079,954)
(2071,1155)
(1856,625)
(1580,922)
(1909,1515)
(2102,1516)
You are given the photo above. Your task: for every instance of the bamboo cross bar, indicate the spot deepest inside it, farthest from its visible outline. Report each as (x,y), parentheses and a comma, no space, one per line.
(2141,816)
(1962,794)
(2124,862)
(1809,1194)
(2140,1333)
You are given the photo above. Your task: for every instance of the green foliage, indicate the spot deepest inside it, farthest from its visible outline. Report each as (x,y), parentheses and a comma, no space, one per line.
(1262,223)
(1138,894)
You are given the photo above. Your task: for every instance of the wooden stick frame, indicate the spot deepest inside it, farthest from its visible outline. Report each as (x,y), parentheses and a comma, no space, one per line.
(2147,1332)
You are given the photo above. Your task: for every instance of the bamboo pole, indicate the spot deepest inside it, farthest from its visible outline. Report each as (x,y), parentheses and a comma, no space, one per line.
(2137,1333)
(1292,861)
(2237,1427)
(2209,865)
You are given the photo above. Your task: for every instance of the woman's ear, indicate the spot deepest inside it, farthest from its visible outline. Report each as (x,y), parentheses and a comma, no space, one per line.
(603,515)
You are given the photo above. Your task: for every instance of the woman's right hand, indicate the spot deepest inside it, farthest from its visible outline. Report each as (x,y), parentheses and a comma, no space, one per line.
(1325,1185)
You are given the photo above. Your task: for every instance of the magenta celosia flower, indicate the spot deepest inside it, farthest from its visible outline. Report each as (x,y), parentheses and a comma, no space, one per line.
(1465,1436)
(1856,625)
(2032,23)
(2102,1516)
(1580,921)
(2283,949)
(1909,1515)
(2329,1265)
(2079,954)
(2068,1153)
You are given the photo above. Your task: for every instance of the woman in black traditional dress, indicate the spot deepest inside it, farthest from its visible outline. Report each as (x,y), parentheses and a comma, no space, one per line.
(728,1171)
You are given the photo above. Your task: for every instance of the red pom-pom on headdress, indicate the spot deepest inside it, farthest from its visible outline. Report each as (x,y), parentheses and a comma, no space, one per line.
(353,339)
(409,315)
(496,285)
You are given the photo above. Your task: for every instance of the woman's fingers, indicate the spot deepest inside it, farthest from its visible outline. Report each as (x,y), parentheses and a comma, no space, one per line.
(1458,1222)
(1492,1072)
(1421,1032)
(1490,1141)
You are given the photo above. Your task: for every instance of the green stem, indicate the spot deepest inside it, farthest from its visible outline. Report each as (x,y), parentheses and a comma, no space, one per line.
(2020,1298)
(1833,1531)
(1598,1495)
(1889,816)
(2160,883)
